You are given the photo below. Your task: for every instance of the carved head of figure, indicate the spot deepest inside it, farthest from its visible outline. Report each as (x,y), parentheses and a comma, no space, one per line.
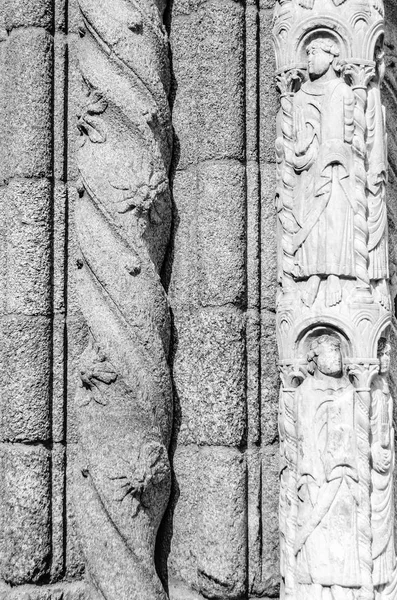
(384,349)
(322,54)
(325,356)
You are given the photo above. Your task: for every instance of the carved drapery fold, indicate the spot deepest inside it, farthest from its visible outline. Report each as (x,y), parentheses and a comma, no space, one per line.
(124,402)
(333,313)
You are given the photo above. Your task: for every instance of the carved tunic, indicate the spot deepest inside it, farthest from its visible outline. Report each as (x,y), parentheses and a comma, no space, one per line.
(327,483)
(324,202)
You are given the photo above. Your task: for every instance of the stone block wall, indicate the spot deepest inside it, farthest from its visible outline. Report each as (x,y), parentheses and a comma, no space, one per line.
(219,535)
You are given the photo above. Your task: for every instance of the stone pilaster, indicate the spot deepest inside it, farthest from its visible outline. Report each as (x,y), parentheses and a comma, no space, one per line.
(27,54)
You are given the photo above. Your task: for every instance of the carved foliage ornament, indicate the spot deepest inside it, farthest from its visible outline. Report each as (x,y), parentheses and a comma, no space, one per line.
(333,310)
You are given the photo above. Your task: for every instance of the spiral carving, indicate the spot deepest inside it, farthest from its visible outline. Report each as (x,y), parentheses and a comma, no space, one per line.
(288,483)
(363,375)
(123,217)
(361,77)
(285,158)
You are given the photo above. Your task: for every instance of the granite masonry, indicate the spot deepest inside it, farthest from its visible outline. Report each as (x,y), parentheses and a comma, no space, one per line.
(196,198)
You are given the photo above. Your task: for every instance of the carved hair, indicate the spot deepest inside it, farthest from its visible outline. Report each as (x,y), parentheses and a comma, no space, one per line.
(330,47)
(325,44)
(315,349)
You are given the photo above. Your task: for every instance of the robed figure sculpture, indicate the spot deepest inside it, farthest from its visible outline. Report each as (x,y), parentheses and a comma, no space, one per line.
(333,316)
(324,196)
(326,546)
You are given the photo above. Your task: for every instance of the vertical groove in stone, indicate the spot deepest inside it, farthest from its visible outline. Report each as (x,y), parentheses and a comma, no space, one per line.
(26,305)
(253,297)
(268,106)
(76,328)
(59,288)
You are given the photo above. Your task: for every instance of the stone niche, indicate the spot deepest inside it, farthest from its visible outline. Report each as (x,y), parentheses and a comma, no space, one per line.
(196,198)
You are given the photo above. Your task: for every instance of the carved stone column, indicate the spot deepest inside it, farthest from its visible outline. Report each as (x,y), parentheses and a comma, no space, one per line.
(124,403)
(32,204)
(333,312)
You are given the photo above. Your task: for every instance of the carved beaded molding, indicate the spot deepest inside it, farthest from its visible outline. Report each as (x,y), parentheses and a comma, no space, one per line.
(333,309)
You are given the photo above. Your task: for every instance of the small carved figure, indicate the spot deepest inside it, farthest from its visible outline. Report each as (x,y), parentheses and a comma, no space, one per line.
(150,469)
(382,453)
(94,370)
(326,544)
(324,203)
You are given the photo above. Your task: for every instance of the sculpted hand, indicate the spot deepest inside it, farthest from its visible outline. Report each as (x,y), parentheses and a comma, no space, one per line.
(381,458)
(304,133)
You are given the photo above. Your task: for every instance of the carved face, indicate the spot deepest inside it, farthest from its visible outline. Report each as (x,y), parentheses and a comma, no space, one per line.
(384,360)
(319,61)
(329,359)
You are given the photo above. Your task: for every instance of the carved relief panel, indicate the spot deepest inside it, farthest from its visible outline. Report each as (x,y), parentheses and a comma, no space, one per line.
(333,309)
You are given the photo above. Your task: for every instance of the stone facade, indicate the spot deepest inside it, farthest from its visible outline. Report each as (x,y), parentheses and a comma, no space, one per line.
(139,404)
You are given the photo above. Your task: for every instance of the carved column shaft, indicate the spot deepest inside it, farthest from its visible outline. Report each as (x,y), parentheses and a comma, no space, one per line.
(333,314)
(286,177)
(208,298)
(124,402)
(32,306)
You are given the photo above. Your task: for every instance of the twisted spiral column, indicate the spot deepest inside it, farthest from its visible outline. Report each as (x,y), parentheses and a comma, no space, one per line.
(287,177)
(363,375)
(124,402)
(288,485)
(361,76)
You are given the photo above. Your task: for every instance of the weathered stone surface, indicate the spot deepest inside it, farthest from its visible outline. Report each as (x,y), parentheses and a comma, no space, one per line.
(210,547)
(33,13)
(25,375)
(222,545)
(208,64)
(28,71)
(210,377)
(61,147)
(27,208)
(208,265)
(25,518)
(270,580)
(123,409)
(62,591)
(32,343)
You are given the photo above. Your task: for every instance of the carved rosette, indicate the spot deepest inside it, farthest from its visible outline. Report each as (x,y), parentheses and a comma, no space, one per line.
(333,313)
(123,215)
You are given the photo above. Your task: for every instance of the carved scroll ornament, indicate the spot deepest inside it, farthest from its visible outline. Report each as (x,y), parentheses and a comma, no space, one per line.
(333,319)
(124,401)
